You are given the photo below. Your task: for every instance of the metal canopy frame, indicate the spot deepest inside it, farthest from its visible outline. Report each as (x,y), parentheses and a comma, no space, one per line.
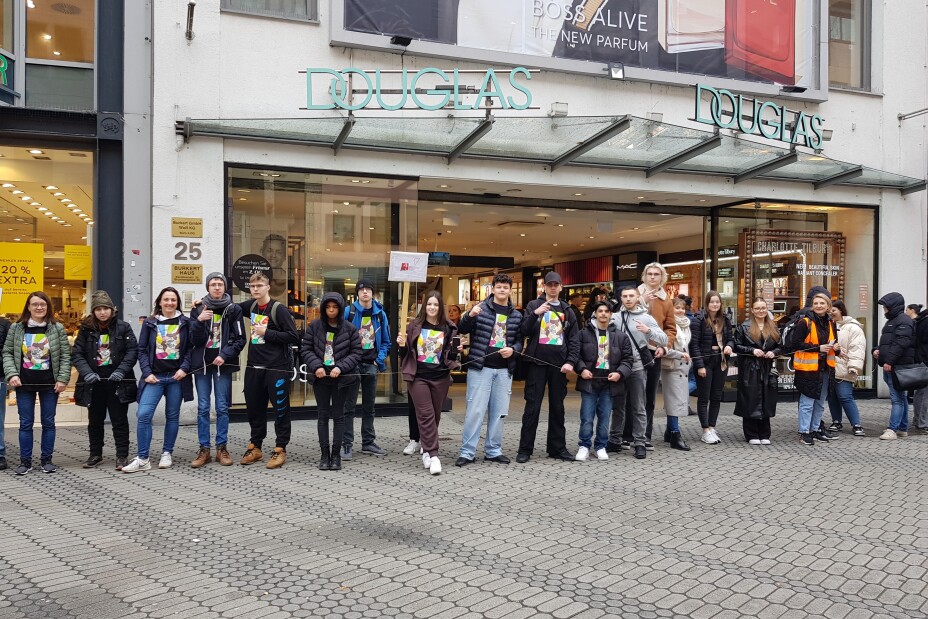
(693,151)
(840,177)
(783,160)
(404,136)
(618,126)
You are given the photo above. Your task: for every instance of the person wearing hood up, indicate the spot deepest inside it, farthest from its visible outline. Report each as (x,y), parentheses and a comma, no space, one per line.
(605,359)
(331,350)
(896,347)
(219,323)
(629,419)
(849,364)
(920,416)
(813,340)
(105,351)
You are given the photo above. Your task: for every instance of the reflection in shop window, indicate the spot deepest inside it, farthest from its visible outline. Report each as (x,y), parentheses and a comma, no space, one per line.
(849,23)
(61,31)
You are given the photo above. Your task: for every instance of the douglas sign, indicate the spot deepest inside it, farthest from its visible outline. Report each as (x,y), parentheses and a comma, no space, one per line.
(448,91)
(730,111)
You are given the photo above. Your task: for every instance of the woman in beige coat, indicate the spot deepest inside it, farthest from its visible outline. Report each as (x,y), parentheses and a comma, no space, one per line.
(675,370)
(849,364)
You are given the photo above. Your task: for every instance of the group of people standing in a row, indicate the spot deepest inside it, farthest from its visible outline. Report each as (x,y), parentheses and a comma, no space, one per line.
(620,354)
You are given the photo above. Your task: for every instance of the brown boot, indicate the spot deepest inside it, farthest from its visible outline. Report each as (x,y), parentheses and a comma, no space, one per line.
(222,456)
(202,459)
(278,458)
(252,454)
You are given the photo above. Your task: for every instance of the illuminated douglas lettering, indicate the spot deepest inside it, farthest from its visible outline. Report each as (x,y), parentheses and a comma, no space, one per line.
(448,91)
(731,111)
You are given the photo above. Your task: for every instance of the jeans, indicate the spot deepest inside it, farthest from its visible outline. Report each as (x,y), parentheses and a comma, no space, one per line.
(653,373)
(148,401)
(811,409)
(843,397)
(596,403)
(330,404)
(899,415)
(537,378)
(104,400)
(919,417)
(488,392)
(692,380)
(710,392)
(368,388)
(48,403)
(2,415)
(215,381)
(630,407)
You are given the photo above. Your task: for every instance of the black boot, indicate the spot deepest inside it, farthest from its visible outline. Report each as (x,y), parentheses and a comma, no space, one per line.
(667,434)
(677,442)
(335,463)
(324,462)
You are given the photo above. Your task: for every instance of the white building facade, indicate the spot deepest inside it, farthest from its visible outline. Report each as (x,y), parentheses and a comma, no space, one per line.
(601,156)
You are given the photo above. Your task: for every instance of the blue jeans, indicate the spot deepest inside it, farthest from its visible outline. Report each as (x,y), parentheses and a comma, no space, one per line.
(843,397)
(221,384)
(48,403)
(488,392)
(2,415)
(148,401)
(596,403)
(899,415)
(811,409)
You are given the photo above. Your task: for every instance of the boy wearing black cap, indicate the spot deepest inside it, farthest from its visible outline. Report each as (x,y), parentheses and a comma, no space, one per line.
(552,350)
(370,319)
(218,322)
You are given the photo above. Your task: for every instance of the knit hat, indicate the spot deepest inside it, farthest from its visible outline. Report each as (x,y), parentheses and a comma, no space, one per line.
(216,275)
(100,298)
(364,283)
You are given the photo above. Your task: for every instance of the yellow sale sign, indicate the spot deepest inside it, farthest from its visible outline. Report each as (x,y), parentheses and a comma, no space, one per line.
(21,273)
(78,263)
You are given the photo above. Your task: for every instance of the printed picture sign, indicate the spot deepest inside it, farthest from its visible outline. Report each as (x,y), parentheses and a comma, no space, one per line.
(408,267)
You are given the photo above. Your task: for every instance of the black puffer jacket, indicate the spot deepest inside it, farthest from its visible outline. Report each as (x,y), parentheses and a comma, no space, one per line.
(346,346)
(4,329)
(897,339)
(480,329)
(921,337)
(620,359)
(704,339)
(123,352)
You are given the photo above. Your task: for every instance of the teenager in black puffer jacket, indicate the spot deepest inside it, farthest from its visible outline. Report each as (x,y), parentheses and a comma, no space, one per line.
(897,347)
(331,350)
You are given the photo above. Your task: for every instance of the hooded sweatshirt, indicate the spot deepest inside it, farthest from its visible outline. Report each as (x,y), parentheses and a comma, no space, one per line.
(329,346)
(626,321)
(897,339)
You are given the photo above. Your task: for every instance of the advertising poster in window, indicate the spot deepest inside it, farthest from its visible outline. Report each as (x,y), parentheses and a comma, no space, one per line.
(751,40)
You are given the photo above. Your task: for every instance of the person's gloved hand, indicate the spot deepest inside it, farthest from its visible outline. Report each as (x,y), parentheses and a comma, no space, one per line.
(92,378)
(117,376)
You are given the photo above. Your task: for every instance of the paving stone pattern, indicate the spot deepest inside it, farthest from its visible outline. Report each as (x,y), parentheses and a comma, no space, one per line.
(722,531)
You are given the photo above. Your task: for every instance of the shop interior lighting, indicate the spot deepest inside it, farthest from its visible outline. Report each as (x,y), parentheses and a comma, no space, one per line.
(57,193)
(36,151)
(51,187)
(8,185)
(16,192)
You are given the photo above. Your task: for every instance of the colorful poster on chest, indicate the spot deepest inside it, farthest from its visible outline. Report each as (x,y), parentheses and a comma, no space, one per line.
(751,40)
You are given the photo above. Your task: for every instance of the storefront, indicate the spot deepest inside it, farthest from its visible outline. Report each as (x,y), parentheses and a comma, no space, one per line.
(499,169)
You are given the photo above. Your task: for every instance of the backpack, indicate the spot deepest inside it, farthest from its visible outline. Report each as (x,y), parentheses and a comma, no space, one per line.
(787,329)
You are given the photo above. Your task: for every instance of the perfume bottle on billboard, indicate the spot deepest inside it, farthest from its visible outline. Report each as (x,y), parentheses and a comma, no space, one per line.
(690,25)
(760,38)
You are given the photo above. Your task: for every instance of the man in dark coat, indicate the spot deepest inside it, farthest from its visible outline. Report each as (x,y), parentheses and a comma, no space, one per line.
(896,347)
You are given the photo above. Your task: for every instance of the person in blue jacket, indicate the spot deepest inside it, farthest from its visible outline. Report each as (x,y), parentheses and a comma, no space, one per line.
(166,342)
(370,319)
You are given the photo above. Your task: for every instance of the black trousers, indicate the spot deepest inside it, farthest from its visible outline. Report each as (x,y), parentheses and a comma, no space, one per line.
(330,405)
(413,422)
(709,391)
(103,400)
(263,386)
(537,378)
(756,428)
(653,373)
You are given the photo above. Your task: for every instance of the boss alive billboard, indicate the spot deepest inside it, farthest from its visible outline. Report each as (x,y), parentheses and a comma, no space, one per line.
(768,41)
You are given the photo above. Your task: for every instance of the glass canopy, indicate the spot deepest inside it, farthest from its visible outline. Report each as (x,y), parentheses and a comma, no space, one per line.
(626,142)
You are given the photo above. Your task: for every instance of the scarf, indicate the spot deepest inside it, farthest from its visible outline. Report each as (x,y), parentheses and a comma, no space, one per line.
(33,323)
(682,342)
(215,305)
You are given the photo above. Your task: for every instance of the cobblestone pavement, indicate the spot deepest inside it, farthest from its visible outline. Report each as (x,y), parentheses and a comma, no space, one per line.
(722,531)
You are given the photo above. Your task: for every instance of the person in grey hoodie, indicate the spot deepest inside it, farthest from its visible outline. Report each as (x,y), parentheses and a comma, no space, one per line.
(634,321)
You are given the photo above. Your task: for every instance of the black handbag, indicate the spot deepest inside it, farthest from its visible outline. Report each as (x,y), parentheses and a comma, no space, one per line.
(911,376)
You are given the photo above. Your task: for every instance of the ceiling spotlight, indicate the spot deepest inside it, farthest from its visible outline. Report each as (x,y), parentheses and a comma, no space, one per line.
(16,192)
(36,151)
(58,194)
(8,185)
(51,187)
(578,194)
(66,200)
(47,37)
(42,208)
(25,198)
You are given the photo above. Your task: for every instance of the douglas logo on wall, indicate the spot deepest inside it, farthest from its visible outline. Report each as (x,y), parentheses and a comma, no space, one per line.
(756,40)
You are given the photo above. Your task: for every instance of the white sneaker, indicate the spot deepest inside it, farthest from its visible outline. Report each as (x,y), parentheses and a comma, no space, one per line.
(166,461)
(411,448)
(715,437)
(435,466)
(601,454)
(888,435)
(427,460)
(137,465)
(583,454)
(754,441)
(765,441)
